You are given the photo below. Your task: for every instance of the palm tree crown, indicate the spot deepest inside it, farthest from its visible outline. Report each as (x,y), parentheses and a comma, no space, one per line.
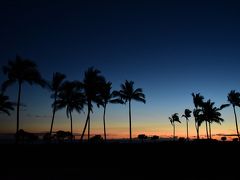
(22,70)
(127,92)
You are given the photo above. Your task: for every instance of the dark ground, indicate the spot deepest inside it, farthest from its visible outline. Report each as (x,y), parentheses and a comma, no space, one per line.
(165,160)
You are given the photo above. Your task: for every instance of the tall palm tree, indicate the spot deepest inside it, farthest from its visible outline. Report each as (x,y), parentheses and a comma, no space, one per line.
(19,71)
(127,94)
(107,96)
(70,97)
(234,99)
(55,86)
(92,83)
(197,101)
(174,118)
(5,105)
(187,115)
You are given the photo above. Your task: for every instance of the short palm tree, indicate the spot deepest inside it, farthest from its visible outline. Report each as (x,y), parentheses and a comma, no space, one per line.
(234,99)
(19,71)
(107,96)
(127,94)
(174,118)
(92,84)
(5,105)
(71,98)
(187,115)
(55,86)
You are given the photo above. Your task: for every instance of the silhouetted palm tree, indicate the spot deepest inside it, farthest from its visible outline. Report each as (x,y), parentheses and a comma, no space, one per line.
(211,114)
(91,84)
(5,105)
(187,115)
(234,99)
(19,71)
(55,87)
(174,118)
(106,96)
(127,94)
(70,97)
(198,101)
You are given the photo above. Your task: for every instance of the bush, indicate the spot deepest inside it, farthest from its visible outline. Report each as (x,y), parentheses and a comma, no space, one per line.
(96,139)
(154,137)
(223,138)
(142,137)
(181,139)
(235,139)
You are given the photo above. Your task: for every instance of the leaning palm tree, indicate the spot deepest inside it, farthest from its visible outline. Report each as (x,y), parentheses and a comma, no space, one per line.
(92,83)
(174,118)
(127,94)
(5,105)
(70,97)
(187,115)
(234,99)
(197,101)
(55,86)
(19,71)
(107,96)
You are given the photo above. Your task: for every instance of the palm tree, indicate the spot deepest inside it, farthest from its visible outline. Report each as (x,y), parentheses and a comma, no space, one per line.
(92,83)
(234,99)
(19,71)
(198,119)
(55,86)
(5,105)
(174,118)
(127,94)
(187,115)
(71,98)
(198,101)
(106,96)
(211,114)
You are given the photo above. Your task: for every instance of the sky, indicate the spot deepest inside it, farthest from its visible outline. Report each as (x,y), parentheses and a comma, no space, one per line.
(168,48)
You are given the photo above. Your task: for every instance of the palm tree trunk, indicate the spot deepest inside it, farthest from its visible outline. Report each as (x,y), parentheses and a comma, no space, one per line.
(174,132)
(18,103)
(85,126)
(197,128)
(236,122)
(210,132)
(187,129)
(53,116)
(71,124)
(206,129)
(88,129)
(130,121)
(104,123)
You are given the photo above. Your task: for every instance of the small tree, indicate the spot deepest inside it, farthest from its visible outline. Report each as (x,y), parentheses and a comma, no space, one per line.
(142,137)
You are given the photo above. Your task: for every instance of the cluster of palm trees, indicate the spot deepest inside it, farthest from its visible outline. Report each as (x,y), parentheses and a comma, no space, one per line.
(205,111)
(68,95)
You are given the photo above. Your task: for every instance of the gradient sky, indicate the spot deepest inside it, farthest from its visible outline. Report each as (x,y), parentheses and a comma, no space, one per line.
(169,48)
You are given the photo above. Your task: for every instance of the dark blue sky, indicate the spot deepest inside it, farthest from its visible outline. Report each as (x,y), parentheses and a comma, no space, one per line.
(169,48)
